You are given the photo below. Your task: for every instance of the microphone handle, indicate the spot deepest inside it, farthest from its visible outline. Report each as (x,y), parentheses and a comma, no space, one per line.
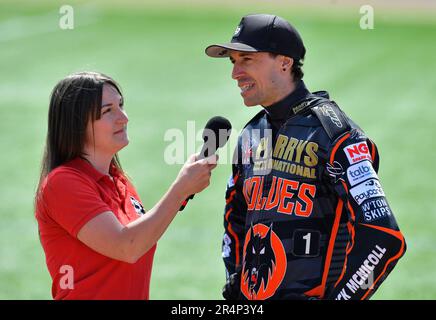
(204,153)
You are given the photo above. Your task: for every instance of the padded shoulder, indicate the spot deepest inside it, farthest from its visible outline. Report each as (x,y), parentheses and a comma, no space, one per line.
(333,120)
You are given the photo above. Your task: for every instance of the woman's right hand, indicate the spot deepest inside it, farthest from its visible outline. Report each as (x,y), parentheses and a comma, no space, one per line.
(195,175)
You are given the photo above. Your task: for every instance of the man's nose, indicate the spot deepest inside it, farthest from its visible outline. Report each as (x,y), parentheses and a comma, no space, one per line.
(237,72)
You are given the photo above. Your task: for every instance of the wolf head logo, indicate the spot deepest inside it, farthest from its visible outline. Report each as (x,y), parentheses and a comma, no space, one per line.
(264,265)
(259,263)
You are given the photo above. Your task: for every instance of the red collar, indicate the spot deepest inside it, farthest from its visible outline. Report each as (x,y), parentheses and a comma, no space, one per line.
(86,167)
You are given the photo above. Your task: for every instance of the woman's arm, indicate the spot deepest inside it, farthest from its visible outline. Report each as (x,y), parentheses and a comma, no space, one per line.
(106,235)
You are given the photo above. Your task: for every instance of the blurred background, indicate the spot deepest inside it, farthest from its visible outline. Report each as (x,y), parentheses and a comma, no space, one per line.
(382,77)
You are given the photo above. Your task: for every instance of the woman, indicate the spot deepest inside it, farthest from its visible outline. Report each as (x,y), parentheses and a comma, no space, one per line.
(98,240)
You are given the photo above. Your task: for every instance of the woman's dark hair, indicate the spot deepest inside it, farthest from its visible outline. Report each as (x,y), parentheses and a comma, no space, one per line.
(296,71)
(74,101)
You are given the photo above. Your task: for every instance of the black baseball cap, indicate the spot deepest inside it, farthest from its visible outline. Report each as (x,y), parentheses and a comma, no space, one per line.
(262,33)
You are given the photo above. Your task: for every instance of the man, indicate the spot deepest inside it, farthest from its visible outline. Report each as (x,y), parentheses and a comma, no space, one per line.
(306,216)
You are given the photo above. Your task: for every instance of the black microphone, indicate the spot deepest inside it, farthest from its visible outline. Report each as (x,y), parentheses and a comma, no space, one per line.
(216,133)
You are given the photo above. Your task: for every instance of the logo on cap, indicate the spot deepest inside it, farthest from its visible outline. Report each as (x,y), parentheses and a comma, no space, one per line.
(237,31)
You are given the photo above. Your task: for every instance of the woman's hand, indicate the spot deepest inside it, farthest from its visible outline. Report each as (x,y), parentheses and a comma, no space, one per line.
(195,174)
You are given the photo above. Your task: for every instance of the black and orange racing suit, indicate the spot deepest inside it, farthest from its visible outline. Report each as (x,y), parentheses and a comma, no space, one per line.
(305,214)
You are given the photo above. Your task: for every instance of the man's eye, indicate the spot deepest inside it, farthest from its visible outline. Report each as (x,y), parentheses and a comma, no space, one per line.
(106,111)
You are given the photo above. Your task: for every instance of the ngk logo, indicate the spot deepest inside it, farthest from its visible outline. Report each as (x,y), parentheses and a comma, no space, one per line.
(357,152)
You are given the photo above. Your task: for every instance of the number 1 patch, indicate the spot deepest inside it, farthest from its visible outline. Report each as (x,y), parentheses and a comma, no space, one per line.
(306,243)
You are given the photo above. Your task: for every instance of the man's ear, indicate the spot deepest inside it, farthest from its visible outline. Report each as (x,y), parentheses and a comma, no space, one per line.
(287,63)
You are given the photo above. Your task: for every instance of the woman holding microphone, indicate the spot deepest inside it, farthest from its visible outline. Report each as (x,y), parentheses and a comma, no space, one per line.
(98,240)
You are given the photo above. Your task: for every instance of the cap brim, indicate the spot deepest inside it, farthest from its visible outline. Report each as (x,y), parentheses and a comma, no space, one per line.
(222,50)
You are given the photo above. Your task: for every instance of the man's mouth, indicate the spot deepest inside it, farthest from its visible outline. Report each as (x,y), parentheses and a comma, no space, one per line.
(120,131)
(244,88)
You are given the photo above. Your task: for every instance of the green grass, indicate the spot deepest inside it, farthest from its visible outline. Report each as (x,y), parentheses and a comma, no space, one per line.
(383,78)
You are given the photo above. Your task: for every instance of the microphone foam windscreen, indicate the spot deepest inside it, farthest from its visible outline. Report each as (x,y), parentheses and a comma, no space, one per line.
(214,125)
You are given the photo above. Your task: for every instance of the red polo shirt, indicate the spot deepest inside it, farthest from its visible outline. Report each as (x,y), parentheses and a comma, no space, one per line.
(71,195)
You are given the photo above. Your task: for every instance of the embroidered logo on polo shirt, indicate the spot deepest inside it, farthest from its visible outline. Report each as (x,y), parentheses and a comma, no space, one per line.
(138,206)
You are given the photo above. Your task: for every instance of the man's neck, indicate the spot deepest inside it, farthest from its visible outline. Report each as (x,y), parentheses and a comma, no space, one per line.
(283,92)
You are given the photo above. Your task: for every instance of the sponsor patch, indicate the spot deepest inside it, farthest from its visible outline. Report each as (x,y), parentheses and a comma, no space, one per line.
(367,190)
(357,152)
(375,209)
(360,172)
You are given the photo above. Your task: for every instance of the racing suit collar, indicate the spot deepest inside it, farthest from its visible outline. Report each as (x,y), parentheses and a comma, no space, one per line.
(282,110)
